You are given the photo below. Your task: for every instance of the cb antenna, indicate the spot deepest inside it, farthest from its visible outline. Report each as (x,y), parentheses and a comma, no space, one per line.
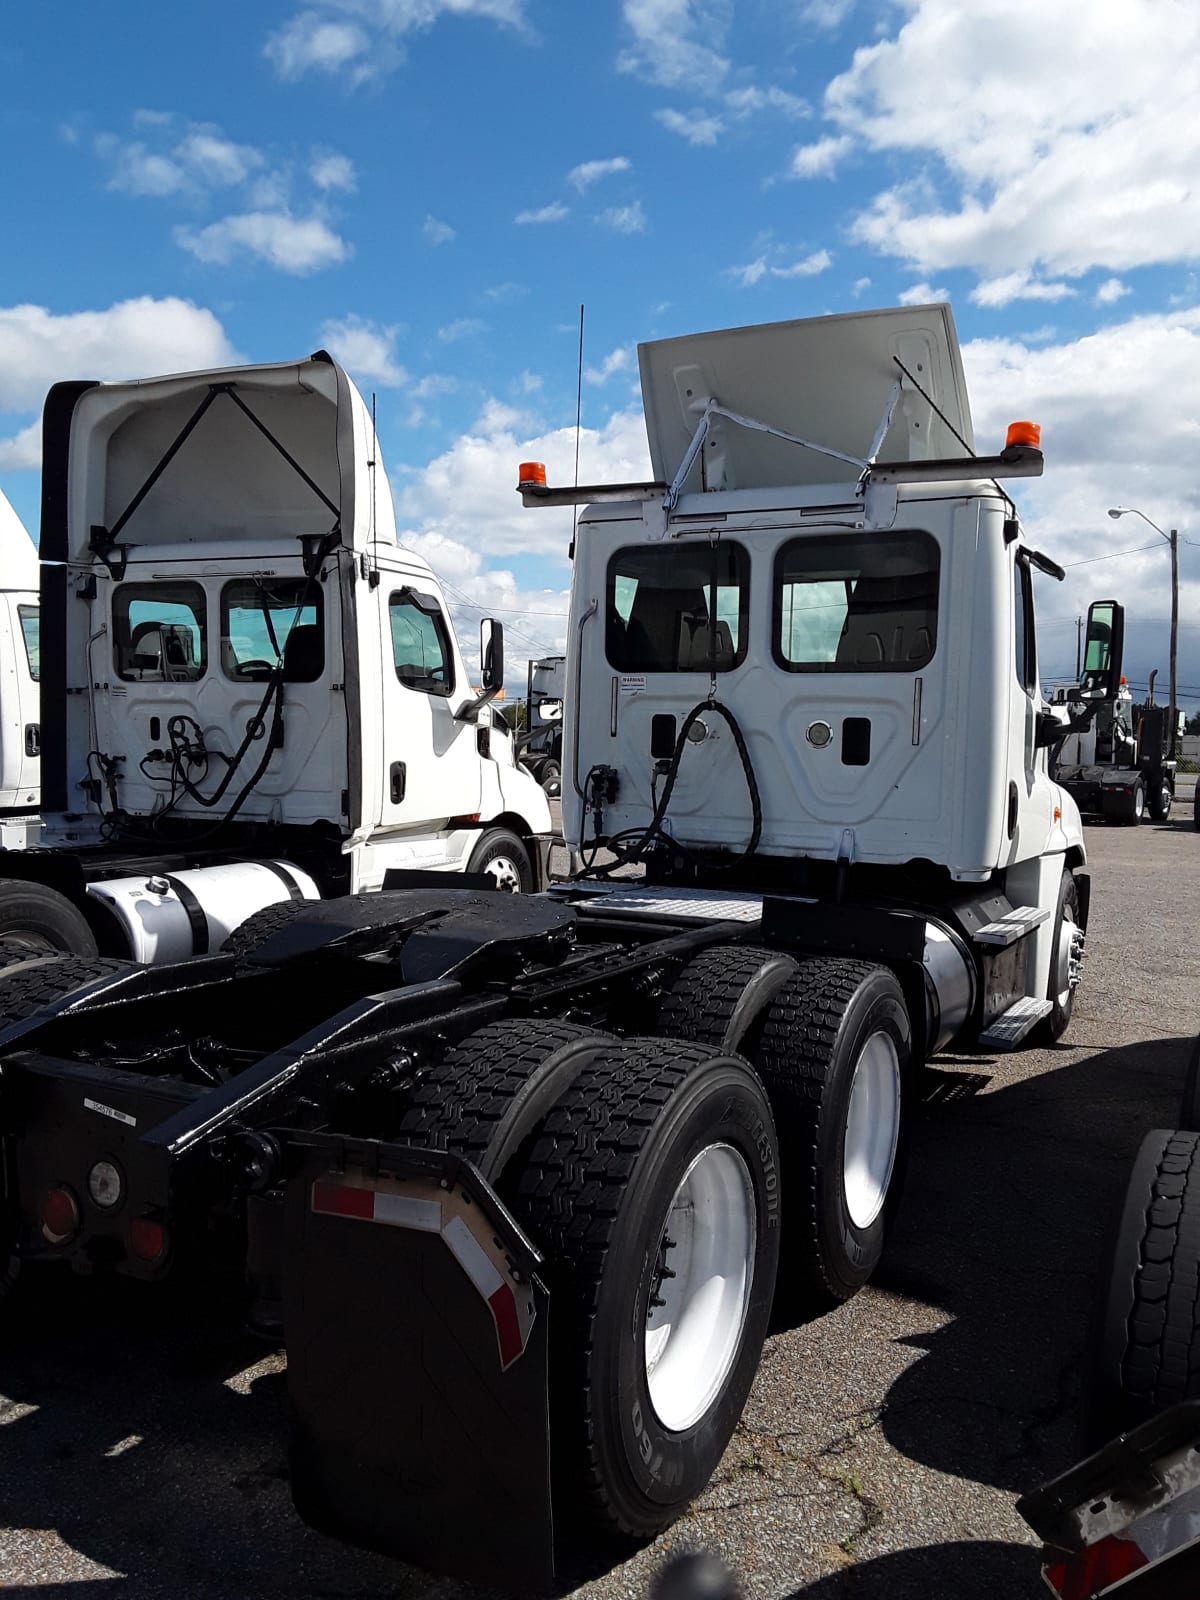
(578,430)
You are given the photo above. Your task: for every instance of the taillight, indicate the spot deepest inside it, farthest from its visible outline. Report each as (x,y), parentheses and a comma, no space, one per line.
(60,1215)
(148,1239)
(1093,1569)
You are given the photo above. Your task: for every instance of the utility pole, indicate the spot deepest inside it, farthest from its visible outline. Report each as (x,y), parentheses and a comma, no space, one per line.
(1174,713)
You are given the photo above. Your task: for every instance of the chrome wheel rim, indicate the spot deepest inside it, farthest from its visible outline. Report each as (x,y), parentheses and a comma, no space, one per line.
(872,1129)
(700,1295)
(506,873)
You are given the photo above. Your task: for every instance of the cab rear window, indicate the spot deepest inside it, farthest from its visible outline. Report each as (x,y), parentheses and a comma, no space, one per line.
(159,632)
(863,602)
(675,608)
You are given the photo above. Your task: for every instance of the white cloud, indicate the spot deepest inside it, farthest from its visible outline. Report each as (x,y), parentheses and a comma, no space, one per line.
(695,126)
(750,101)
(219,162)
(676,43)
(467,495)
(431,385)
(1075,149)
(1012,286)
(754,271)
(749,274)
(820,160)
(23,451)
(437,232)
(311,43)
(462,328)
(826,13)
(590,172)
(366,349)
(551,213)
(1110,291)
(131,339)
(807,267)
(331,171)
(363,39)
(619,360)
(196,161)
(1118,410)
(624,219)
(298,245)
(920,294)
(860,286)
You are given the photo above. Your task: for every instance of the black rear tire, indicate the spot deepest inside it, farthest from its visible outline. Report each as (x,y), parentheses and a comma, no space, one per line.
(598,1188)
(504,857)
(38,921)
(262,925)
(1160,801)
(1146,1344)
(1189,1113)
(551,778)
(832,1016)
(720,994)
(31,986)
(484,1098)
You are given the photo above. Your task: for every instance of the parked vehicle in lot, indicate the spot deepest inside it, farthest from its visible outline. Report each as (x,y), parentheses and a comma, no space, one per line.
(1123,765)
(20,718)
(252,692)
(1127,1519)
(541,741)
(517,1175)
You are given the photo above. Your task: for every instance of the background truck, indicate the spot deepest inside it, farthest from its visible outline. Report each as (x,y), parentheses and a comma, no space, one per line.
(252,692)
(1123,765)
(20,731)
(520,1178)
(540,743)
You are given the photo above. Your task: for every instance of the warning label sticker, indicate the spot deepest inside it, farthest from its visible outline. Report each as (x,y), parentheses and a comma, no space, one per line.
(633,683)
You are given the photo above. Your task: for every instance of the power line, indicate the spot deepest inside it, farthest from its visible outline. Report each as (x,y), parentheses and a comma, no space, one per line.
(1113,555)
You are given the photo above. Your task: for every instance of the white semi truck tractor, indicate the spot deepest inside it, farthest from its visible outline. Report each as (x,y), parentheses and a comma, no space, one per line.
(521,1177)
(20,718)
(252,692)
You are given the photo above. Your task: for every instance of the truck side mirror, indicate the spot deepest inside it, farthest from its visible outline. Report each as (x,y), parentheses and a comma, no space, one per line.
(1103,650)
(491,654)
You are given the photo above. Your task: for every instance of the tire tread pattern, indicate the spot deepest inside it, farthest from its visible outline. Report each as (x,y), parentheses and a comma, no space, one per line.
(569,1197)
(700,1002)
(1162,1356)
(262,925)
(31,989)
(793,1058)
(457,1103)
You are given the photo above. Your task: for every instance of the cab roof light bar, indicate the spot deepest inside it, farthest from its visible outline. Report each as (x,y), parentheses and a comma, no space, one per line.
(1020,458)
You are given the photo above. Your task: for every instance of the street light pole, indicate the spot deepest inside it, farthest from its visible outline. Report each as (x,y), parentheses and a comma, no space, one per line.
(1172,539)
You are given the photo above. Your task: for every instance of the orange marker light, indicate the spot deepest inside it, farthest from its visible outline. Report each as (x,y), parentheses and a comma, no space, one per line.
(1058,813)
(1029,433)
(531,474)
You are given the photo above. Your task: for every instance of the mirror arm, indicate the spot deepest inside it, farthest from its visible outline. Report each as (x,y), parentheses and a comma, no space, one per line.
(470,712)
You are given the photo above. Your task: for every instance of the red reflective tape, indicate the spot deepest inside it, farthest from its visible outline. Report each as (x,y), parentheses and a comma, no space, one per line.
(508,1327)
(1094,1568)
(341,1200)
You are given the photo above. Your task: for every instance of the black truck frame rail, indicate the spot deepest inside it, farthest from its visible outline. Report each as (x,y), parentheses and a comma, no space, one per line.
(254,1099)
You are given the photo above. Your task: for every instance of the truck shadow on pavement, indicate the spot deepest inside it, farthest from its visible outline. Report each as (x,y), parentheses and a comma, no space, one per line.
(144,1450)
(1007,1224)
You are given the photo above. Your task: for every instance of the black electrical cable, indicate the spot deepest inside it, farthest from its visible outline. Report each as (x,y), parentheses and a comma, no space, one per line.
(632,844)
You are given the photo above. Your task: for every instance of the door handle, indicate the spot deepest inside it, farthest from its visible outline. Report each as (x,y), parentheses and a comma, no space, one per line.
(33,738)
(399,778)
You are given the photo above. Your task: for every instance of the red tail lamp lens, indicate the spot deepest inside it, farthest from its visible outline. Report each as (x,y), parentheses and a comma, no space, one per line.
(148,1239)
(60,1215)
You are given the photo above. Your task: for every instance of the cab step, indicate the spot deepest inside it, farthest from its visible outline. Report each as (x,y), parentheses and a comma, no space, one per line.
(1012,926)
(1010,1027)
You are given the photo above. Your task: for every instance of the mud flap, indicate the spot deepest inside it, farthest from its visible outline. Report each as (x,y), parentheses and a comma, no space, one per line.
(417,1363)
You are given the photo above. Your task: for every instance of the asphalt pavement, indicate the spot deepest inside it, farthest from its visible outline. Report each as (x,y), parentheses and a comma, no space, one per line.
(142,1444)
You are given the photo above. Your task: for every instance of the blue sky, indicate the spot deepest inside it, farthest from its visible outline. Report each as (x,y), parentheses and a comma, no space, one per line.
(431,188)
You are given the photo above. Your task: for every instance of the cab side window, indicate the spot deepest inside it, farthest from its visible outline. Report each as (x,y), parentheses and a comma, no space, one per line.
(421,643)
(1025,646)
